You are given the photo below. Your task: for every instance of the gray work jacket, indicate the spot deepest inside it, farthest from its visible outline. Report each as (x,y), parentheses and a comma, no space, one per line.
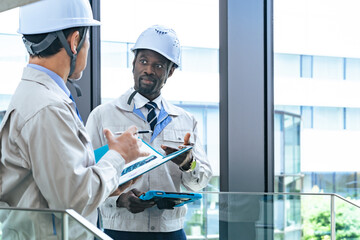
(47,161)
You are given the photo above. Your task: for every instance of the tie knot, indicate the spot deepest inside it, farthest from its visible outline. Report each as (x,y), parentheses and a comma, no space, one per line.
(150,105)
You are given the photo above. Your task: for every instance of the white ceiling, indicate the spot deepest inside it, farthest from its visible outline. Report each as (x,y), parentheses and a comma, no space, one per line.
(9,4)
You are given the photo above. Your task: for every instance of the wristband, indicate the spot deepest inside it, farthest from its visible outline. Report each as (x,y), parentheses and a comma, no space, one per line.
(189,166)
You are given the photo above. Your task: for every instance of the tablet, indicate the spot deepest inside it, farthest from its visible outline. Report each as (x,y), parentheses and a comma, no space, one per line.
(169,200)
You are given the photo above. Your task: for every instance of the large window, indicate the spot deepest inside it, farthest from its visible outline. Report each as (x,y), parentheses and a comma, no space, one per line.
(13,57)
(194,86)
(317,76)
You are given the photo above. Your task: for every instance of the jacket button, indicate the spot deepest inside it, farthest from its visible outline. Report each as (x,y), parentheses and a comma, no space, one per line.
(152,228)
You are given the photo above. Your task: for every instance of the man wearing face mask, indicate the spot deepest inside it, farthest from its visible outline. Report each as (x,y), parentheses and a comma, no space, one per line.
(47,160)
(157,55)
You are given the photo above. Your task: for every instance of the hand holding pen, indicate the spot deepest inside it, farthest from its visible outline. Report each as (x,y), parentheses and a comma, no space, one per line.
(138,132)
(127,144)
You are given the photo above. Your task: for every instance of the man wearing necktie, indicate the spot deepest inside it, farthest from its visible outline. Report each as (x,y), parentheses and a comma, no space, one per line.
(157,55)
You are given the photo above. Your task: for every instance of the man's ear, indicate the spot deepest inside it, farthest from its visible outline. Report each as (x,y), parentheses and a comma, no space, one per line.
(73,40)
(133,63)
(171,71)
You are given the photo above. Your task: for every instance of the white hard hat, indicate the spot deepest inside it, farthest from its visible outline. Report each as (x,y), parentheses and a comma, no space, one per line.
(161,40)
(52,15)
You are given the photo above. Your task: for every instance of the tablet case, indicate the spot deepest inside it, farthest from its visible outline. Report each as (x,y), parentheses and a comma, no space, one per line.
(169,200)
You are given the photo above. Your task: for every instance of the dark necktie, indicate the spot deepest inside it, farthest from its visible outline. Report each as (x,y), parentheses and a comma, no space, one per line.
(151,117)
(77,111)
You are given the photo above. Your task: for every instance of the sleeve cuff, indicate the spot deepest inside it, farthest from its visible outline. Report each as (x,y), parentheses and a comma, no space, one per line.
(193,174)
(116,160)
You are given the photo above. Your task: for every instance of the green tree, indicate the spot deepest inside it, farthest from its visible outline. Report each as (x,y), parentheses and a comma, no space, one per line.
(316,219)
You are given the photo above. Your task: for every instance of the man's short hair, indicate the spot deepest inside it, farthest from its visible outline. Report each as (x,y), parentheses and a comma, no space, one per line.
(56,46)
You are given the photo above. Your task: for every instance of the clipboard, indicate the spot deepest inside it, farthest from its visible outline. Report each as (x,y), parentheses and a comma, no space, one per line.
(169,200)
(143,164)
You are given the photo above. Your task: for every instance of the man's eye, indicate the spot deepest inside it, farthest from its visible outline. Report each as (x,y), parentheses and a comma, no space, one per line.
(159,66)
(143,61)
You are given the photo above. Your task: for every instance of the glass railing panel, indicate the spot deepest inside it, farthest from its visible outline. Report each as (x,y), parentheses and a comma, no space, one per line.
(223,216)
(227,216)
(202,218)
(347,219)
(32,224)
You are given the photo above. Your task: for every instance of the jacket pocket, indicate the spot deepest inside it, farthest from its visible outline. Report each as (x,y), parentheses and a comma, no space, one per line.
(174,138)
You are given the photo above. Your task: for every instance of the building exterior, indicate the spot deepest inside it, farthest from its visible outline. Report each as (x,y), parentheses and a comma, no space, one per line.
(317,76)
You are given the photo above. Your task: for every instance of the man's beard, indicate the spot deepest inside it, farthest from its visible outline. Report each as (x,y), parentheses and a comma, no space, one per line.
(145,91)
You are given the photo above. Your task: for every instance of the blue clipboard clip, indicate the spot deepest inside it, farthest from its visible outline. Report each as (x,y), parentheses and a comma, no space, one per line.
(169,200)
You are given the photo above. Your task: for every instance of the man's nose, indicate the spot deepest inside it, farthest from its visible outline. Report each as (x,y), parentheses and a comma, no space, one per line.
(149,69)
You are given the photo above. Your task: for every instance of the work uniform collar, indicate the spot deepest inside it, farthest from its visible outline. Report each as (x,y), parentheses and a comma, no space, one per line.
(42,77)
(167,110)
(59,81)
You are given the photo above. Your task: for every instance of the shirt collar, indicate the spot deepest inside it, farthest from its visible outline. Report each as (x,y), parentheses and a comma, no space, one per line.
(59,81)
(140,101)
(122,103)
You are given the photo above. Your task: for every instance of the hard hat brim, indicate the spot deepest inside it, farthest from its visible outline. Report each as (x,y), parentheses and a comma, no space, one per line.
(92,23)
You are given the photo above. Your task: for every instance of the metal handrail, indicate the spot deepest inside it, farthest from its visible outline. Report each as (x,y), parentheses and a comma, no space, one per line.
(290,175)
(220,193)
(89,226)
(287,193)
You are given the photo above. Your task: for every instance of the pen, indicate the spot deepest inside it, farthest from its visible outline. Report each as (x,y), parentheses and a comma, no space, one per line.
(138,132)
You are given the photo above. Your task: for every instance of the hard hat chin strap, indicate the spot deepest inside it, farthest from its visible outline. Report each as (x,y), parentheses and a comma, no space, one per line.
(36,48)
(73,56)
(77,88)
(131,97)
